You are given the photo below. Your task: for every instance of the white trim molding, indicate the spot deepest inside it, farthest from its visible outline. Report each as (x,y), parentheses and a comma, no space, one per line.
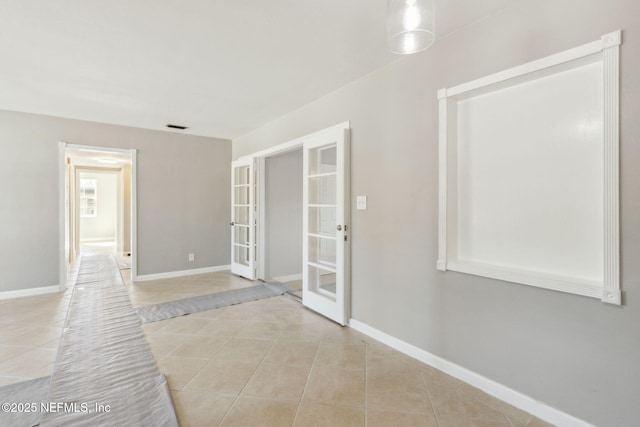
(19,293)
(293,144)
(289,278)
(611,130)
(62,193)
(180,273)
(605,285)
(493,388)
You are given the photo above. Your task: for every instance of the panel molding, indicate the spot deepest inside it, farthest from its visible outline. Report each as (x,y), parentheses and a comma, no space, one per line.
(606,51)
(611,60)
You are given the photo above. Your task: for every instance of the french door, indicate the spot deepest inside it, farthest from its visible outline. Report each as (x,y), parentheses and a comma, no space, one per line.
(326,241)
(243,228)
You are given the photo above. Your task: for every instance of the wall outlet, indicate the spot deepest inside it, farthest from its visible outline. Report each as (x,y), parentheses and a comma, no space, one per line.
(192,257)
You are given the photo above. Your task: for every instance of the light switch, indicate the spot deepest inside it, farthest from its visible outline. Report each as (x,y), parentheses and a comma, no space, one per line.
(361,203)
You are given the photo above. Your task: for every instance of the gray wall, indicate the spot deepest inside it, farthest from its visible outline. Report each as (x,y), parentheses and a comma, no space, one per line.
(183,196)
(574,353)
(283,251)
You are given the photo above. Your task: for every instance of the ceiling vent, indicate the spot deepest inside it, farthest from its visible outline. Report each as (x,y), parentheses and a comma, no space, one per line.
(176,127)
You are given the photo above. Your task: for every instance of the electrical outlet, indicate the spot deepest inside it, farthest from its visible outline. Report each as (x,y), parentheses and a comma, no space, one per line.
(192,257)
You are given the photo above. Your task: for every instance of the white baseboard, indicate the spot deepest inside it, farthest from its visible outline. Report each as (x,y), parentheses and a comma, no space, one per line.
(29,292)
(289,278)
(504,393)
(172,274)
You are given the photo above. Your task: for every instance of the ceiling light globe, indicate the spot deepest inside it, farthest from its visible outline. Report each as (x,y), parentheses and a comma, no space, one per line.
(410,25)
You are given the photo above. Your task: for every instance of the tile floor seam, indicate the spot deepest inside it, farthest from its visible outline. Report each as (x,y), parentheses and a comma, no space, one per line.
(205,366)
(433,407)
(304,390)
(478,401)
(268,399)
(246,383)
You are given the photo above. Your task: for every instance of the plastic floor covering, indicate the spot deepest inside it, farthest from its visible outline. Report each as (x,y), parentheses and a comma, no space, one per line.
(104,373)
(168,310)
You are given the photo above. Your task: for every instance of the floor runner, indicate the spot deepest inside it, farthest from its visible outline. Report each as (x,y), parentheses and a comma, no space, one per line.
(168,310)
(105,373)
(22,402)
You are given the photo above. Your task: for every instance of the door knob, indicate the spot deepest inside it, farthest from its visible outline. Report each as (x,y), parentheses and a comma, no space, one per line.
(232,223)
(339,228)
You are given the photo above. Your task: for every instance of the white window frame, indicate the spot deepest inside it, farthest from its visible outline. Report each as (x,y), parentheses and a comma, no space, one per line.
(608,50)
(82,195)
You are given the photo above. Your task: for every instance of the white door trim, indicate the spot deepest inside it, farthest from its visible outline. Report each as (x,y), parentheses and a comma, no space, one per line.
(62,149)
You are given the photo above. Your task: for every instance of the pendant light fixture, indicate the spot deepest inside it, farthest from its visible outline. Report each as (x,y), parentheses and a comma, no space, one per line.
(410,25)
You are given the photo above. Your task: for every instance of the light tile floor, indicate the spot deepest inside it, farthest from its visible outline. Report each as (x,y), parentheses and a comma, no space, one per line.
(265,363)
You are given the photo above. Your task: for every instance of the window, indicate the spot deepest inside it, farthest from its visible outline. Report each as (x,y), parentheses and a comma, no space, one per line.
(88,198)
(529,173)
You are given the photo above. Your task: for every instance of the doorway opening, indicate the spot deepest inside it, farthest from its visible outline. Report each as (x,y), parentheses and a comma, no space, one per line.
(282,218)
(265,213)
(97,215)
(98,206)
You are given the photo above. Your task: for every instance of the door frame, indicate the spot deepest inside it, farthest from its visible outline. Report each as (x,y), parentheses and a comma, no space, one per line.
(260,157)
(64,198)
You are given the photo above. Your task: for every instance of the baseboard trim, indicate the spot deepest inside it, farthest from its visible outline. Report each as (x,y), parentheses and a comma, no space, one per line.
(288,278)
(504,393)
(98,240)
(19,293)
(172,274)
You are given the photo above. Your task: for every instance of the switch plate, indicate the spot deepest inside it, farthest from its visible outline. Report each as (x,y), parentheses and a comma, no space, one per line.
(361,203)
(192,257)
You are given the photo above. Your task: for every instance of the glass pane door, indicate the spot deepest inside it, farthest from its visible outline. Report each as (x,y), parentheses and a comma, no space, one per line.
(325,246)
(243,219)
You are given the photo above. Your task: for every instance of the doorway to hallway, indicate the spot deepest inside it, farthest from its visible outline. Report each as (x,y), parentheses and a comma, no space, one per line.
(98,204)
(325,232)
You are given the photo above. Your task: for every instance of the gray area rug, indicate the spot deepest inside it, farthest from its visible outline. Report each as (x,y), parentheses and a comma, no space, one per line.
(171,309)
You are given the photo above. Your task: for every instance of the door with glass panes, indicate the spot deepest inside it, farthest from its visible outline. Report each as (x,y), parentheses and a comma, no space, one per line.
(326,287)
(243,229)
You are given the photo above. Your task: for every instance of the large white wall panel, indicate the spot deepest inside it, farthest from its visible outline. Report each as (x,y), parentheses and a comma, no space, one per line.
(530,181)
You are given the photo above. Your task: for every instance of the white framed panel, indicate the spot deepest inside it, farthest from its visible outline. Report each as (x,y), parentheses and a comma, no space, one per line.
(529,173)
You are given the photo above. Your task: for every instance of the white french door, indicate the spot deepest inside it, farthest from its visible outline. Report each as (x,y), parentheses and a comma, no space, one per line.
(326,241)
(243,228)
